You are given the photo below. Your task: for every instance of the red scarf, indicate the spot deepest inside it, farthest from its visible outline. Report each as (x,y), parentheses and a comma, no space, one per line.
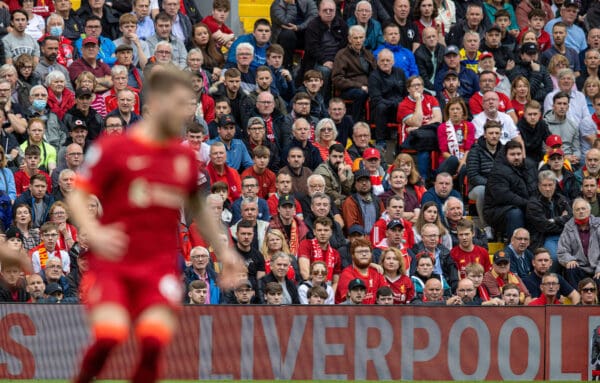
(582,222)
(483,293)
(269,125)
(61,107)
(328,258)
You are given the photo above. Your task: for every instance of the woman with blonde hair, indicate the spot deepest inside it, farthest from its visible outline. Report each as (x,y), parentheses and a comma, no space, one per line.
(395,266)
(429,214)
(67,233)
(87,80)
(591,87)
(414,185)
(520,94)
(555,65)
(274,243)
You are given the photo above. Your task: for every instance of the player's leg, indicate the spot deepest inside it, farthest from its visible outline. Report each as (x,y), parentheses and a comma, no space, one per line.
(153,330)
(110,326)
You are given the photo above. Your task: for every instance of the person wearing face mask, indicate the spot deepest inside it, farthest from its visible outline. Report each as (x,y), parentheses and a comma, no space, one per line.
(55,28)
(55,132)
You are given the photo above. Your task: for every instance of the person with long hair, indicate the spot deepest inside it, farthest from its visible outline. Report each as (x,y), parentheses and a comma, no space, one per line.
(394,270)
(455,137)
(588,290)
(415,185)
(591,87)
(520,94)
(429,214)
(67,233)
(23,220)
(275,242)
(555,65)
(425,13)
(317,277)
(213,58)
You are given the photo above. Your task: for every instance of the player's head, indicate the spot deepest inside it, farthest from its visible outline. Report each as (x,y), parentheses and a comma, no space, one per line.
(168,89)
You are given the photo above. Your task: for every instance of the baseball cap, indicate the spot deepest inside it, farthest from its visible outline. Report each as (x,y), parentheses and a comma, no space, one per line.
(90,40)
(123,48)
(494,27)
(371,153)
(53,288)
(287,199)
(395,223)
(244,283)
(362,173)
(485,55)
(77,124)
(450,73)
(451,50)
(356,283)
(83,92)
(255,121)
(571,3)
(500,256)
(13,232)
(557,151)
(553,140)
(529,48)
(356,229)
(226,119)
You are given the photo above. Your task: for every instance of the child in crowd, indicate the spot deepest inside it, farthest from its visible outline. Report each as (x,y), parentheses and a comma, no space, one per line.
(221,33)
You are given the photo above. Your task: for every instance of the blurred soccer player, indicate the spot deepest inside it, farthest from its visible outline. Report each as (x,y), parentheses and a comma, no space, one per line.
(143,178)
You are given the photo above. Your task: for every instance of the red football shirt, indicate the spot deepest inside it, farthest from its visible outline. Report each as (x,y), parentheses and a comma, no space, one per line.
(331,257)
(463,258)
(142,186)
(373,280)
(406,108)
(476,103)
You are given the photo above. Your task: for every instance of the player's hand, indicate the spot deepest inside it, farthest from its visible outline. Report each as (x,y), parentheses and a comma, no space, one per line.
(109,241)
(232,267)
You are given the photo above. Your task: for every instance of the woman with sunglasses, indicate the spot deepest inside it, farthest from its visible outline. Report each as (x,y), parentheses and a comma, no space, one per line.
(318,277)
(589,292)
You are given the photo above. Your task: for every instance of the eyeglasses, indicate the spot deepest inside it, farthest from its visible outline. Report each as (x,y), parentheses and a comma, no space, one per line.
(327,130)
(77,154)
(328,10)
(201,256)
(250,186)
(588,290)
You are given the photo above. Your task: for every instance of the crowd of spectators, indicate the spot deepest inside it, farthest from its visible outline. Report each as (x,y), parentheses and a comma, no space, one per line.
(489,112)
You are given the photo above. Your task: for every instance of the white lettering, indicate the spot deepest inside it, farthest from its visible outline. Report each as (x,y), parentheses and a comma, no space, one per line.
(322,349)
(555,350)
(283,369)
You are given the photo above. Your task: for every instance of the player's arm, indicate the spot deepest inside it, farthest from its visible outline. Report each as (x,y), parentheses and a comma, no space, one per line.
(108,241)
(15,257)
(230,260)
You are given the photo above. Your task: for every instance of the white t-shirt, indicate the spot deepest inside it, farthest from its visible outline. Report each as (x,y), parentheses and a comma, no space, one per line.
(509,129)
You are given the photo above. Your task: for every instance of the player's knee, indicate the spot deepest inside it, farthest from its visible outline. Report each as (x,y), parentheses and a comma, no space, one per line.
(117,333)
(153,332)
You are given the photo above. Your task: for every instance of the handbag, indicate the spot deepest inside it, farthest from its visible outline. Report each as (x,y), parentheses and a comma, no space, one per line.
(425,138)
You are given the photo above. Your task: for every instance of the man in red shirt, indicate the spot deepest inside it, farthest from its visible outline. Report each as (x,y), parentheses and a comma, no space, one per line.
(487,83)
(466,252)
(32,163)
(549,287)
(219,171)
(135,242)
(260,171)
(360,268)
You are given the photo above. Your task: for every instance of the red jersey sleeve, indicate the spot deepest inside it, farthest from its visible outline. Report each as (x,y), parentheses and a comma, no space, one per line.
(304,249)
(443,138)
(405,108)
(337,269)
(100,164)
(470,139)
(476,103)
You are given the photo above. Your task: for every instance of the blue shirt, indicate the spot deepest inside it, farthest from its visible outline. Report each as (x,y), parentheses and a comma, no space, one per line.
(430,195)
(145,28)
(260,53)
(106,54)
(263,210)
(576,38)
(237,154)
(403,58)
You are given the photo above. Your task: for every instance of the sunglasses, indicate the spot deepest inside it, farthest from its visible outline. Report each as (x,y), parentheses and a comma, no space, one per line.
(589,290)
(320,272)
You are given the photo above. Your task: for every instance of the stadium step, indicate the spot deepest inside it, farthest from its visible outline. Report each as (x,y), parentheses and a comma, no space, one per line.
(252,10)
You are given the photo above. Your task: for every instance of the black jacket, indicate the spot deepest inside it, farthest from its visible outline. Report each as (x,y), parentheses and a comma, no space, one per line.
(534,138)
(480,163)
(387,89)
(110,20)
(6,293)
(501,55)
(283,135)
(540,83)
(289,285)
(507,187)
(313,47)
(312,157)
(449,268)
(93,121)
(545,217)
(569,187)
(423,57)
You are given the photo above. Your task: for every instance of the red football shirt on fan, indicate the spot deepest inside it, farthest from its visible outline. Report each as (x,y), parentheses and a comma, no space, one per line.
(463,258)
(331,257)
(373,280)
(476,103)
(142,186)
(406,108)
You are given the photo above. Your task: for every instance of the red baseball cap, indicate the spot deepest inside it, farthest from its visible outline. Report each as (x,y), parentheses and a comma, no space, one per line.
(553,152)
(90,40)
(371,153)
(553,140)
(485,55)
